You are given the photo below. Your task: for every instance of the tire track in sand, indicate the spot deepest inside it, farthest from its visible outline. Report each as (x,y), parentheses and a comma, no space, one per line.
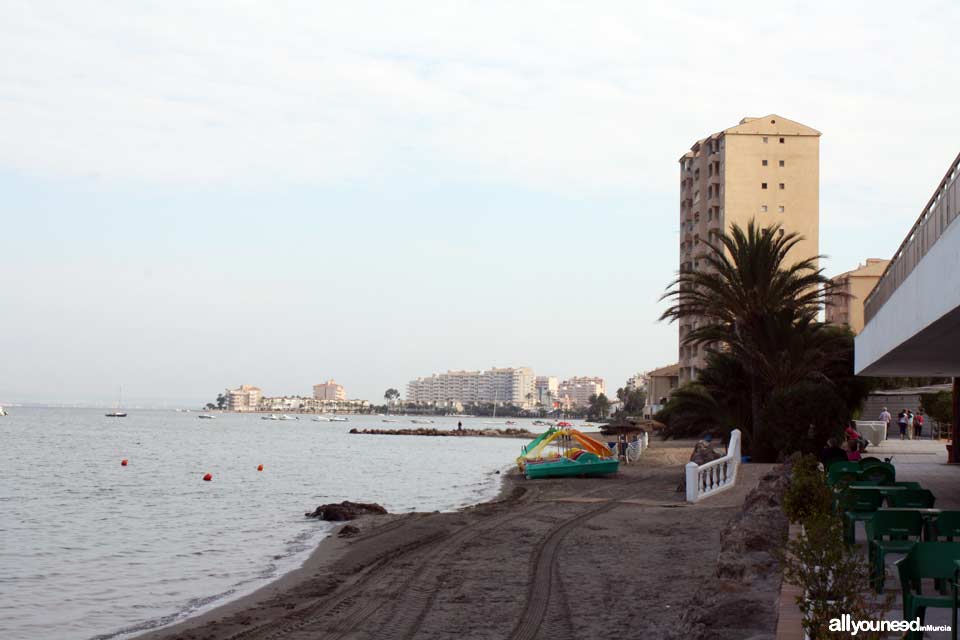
(544,572)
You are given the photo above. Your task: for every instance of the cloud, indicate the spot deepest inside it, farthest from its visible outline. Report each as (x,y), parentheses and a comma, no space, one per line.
(558,96)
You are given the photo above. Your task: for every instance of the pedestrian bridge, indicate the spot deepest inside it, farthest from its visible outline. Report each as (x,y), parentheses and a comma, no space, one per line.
(913,314)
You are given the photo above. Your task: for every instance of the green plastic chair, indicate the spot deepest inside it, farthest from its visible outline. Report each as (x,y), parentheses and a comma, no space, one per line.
(911,499)
(882,472)
(843,472)
(874,483)
(945,527)
(857,506)
(928,560)
(890,532)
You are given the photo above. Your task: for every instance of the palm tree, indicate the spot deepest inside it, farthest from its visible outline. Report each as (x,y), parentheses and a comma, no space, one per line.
(749,298)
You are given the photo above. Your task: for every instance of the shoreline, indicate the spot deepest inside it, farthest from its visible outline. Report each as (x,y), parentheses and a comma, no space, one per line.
(498,569)
(327,550)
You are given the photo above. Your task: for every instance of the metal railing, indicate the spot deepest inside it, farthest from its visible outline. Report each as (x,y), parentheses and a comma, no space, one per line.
(940,211)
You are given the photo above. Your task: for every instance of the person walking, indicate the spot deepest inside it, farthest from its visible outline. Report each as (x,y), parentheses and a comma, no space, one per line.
(885,418)
(902,423)
(918,425)
(910,424)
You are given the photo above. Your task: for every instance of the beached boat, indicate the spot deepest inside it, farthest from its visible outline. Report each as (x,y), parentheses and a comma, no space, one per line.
(576,455)
(206,416)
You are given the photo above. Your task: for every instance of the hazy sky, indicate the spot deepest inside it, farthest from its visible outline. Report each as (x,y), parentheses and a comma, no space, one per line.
(203,194)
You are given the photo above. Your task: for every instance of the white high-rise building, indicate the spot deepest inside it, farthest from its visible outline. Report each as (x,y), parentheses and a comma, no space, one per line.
(576,391)
(547,390)
(503,386)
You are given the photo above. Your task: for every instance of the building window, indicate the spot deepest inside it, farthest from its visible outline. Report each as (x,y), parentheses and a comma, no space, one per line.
(781,163)
(763,185)
(781,186)
(764,139)
(763,208)
(780,208)
(764,162)
(781,140)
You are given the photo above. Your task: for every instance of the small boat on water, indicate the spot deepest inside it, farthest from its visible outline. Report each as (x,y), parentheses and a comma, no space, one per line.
(338,419)
(286,417)
(386,420)
(576,455)
(272,416)
(321,419)
(2,412)
(206,416)
(509,422)
(416,421)
(116,413)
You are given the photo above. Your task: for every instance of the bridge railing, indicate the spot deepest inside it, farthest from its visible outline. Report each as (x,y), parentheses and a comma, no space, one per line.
(941,210)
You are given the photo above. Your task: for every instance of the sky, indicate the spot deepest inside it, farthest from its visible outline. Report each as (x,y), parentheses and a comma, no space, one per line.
(199,195)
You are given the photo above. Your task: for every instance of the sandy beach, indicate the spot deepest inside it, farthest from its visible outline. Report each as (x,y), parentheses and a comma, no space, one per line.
(564,558)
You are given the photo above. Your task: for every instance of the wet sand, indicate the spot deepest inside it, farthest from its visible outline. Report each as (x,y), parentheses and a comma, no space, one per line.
(559,558)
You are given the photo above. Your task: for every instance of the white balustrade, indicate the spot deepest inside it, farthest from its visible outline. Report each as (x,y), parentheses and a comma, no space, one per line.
(714,476)
(875,431)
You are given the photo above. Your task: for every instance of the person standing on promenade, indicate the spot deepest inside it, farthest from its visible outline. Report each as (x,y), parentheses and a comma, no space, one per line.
(918,425)
(459,425)
(902,423)
(910,424)
(885,418)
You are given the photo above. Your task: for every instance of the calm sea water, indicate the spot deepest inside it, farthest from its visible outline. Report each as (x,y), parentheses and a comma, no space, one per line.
(92,549)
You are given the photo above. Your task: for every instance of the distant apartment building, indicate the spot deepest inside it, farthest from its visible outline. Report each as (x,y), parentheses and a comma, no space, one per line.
(857,285)
(281,404)
(662,382)
(244,398)
(299,404)
(329,390)
(503,386)
(547,388)
(767,169)
(576,391)
(637,382)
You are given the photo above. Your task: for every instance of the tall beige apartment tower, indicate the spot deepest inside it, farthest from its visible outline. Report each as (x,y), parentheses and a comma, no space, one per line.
(767,169)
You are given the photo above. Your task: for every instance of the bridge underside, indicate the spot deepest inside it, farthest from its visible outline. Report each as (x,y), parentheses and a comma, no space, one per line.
(934,351)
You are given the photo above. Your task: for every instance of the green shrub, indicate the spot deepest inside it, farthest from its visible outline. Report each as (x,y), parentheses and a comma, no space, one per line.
(807,495)
(834,577)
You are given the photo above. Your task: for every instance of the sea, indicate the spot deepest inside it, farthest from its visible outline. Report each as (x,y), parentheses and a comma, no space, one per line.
(93,549)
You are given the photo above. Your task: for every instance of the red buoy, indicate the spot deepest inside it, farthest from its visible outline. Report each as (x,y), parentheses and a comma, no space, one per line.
(259,467)
(123,462)
(208,477)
